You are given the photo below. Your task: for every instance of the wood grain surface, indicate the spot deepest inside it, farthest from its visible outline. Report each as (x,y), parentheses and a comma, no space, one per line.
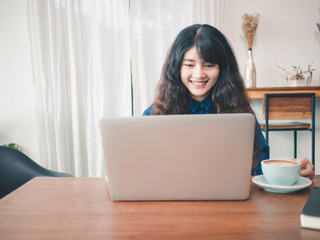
(80,208)
(258,93)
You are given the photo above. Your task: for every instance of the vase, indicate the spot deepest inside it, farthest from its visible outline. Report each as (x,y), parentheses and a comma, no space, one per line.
(296,81)
(250,71)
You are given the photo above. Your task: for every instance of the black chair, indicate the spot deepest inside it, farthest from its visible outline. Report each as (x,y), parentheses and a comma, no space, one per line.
(293,106)
(16,169)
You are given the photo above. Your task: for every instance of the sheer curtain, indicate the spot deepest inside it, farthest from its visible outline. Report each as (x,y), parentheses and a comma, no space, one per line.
(81,72)
(90,59)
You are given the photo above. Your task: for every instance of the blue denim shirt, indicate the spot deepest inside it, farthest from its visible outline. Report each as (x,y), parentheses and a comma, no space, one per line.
(206,107)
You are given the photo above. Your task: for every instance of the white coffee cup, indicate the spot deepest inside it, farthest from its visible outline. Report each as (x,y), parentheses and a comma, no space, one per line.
(281,172)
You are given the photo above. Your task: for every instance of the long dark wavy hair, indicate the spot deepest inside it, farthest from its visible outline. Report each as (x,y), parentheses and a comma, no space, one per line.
(228,94)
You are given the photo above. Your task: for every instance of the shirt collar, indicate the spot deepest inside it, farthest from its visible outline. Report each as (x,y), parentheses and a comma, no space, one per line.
(205,103)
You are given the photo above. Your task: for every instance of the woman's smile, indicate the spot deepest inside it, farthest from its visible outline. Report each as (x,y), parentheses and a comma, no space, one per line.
(199,83)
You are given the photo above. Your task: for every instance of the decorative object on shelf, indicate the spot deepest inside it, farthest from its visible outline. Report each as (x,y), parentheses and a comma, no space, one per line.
(298,77)
(249,26)
(250,71)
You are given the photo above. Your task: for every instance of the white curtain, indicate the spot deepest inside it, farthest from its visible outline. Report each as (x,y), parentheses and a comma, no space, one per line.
(81,70)
(90,59)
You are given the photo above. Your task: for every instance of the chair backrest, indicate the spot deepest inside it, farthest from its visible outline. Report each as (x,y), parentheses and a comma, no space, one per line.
(16,169)
(282,106)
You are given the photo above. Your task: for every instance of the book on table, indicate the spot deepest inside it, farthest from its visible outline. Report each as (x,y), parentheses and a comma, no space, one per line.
(310,215)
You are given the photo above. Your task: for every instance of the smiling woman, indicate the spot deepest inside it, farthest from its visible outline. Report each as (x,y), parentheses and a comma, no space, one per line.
(200,64)
(201,76)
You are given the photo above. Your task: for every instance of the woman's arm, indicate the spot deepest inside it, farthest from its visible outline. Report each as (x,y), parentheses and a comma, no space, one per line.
(262,150)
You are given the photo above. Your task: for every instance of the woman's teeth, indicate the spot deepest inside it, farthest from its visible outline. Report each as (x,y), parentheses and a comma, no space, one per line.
(199,83)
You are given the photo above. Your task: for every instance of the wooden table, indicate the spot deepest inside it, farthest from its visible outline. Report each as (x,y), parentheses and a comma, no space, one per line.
(258,93)
(80,208)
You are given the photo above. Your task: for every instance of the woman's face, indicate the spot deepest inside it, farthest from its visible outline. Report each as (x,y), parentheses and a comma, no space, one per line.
(199,77)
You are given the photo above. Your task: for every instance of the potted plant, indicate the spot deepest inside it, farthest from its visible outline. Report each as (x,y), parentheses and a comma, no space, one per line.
(14,146)
(298,77)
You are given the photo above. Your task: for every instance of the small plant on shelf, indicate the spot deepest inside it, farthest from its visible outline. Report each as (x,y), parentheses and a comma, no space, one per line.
(298,76)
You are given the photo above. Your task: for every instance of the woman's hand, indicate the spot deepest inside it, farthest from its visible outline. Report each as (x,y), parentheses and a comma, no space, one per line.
(307,169)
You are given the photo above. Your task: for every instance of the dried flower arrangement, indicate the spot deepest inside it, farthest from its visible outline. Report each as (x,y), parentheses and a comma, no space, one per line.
(249,26)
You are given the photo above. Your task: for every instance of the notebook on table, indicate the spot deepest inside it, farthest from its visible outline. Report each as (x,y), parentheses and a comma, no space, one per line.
(178,157)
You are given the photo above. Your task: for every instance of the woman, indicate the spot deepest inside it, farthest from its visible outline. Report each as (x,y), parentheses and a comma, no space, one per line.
(201,76)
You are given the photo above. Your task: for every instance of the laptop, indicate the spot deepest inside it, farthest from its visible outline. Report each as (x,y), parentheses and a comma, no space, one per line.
(178,157)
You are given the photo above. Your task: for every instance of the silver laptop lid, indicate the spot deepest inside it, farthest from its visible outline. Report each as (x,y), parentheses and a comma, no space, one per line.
(178,157)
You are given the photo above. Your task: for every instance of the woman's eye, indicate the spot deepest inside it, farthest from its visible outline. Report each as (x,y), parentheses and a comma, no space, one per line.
(209,65)
(188,65)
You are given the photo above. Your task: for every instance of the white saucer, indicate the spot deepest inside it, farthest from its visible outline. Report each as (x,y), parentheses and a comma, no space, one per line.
(300,184)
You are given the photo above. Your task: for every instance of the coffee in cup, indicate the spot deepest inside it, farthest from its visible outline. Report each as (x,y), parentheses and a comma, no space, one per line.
(281,172)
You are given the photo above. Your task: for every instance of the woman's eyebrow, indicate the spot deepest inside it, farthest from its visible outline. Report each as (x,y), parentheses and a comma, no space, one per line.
(189,60)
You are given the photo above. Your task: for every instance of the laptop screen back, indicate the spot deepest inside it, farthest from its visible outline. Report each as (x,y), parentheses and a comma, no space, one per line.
(178,157)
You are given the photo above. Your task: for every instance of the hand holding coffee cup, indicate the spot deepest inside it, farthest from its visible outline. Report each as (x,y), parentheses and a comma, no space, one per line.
(307,168)
(281,172)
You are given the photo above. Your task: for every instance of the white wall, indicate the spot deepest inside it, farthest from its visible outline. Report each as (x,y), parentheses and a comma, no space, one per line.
(17,106)
(287,35)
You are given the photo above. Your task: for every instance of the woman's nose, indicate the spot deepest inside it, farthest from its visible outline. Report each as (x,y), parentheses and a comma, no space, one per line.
(199,72)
